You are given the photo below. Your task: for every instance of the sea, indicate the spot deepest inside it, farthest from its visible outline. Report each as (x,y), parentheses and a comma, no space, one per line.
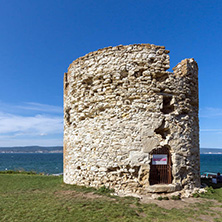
(48,163)
(52,163)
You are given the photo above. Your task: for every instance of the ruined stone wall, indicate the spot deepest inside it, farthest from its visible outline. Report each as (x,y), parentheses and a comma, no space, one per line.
(120,104)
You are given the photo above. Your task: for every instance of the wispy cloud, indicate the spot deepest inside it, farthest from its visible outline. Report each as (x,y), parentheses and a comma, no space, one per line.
(210,112)
(41,107)
(39,124)
(210,131)
(30,106)
(30,123)
(31,142)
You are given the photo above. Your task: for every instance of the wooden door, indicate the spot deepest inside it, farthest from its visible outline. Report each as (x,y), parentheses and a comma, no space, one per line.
(160,166)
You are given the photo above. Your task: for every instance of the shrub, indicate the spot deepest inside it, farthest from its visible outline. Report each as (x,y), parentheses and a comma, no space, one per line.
(210,190)
(196,195)
(160,198)
(176,197)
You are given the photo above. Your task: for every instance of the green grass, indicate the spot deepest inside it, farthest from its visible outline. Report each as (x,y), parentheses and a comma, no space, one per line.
(214,190)
(29,197)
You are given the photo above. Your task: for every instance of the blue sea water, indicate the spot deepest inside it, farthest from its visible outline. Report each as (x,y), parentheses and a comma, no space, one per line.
(211,163)
(53,162)
(48,163)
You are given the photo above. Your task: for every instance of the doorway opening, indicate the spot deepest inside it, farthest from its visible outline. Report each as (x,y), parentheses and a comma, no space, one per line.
(160,166)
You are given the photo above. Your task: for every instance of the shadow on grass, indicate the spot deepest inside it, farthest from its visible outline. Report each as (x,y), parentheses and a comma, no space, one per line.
(208,182)
(18,172)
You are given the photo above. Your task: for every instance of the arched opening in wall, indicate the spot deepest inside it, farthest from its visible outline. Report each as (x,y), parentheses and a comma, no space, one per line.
(160,166)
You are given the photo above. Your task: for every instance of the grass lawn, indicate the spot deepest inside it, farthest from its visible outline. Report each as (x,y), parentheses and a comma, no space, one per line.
(30,198)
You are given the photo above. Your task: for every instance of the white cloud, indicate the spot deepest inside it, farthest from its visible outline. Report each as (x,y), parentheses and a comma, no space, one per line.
(211,130)
(31,107)
(210,112)
(31,142)
(30,124)
(41,107)
(39,124)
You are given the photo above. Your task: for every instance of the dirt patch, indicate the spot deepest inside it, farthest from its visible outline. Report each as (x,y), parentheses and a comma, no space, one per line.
(207,218)
(217,209)
(74,194)
(210,215)
(170,204)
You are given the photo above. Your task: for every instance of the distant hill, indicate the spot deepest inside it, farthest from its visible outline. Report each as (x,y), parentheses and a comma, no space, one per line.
(210,151)
(32,149)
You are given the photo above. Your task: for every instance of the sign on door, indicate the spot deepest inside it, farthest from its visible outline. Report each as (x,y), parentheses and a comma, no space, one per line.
(159,159)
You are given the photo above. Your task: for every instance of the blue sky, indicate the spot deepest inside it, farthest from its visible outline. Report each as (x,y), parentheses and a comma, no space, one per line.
(39,39)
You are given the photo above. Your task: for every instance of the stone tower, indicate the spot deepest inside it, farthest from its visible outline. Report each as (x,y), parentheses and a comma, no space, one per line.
(129,124)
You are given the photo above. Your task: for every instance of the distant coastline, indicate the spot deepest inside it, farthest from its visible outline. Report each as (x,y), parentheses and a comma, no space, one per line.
(32,149)
(59,149)
(210,150)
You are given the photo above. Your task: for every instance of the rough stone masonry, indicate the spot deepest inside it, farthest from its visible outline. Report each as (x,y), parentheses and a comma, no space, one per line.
(129,124)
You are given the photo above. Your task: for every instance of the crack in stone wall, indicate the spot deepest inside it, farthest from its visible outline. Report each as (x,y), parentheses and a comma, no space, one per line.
(120,103)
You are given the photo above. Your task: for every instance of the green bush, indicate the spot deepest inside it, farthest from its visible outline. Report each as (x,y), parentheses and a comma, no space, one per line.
(196,195)
(176,197)
(160,198)
(210,189)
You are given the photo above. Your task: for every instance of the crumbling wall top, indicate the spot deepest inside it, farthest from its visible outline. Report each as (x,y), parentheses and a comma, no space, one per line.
(132,47)
(185,67)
